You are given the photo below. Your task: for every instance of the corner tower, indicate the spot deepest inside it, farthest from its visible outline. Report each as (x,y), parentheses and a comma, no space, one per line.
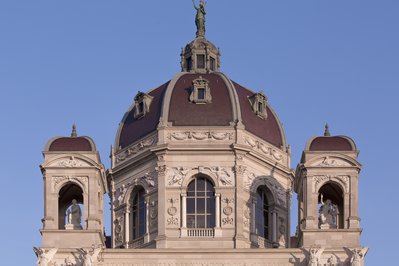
(74,186)
(327,186)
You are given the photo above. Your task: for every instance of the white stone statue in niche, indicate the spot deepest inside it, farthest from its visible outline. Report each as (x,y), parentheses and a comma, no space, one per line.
(74,215)
(328,214)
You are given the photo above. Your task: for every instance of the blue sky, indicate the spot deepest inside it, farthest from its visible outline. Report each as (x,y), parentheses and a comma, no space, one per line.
(318,61)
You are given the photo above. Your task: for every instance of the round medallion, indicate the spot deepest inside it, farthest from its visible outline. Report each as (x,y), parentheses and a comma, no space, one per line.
(227,210)
(172,211)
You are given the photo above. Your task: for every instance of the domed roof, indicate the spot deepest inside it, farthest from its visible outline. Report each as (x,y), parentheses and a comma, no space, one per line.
(72,143)
(172,103)
(331,143)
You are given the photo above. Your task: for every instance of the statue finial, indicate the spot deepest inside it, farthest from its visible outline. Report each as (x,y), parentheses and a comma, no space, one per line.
(200,18)
(327,131)
(73,133)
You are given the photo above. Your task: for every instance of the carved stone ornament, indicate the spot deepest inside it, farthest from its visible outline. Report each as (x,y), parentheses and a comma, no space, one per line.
(58,181)
(225,177)
(358,256)
(200,91)
(314,256)
(330,162)
(135,149)
(206,135)
(228,211)
(44,256)
(277,189)
(71,163)
(332,261)
(175,178)
(119,194)
(89,257)
(264,149)
(247,216)
(319,180)
(118,230)
(172,211)
(149,179)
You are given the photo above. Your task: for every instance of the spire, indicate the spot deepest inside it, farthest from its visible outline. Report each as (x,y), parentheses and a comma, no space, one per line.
(327,131)
(73,133)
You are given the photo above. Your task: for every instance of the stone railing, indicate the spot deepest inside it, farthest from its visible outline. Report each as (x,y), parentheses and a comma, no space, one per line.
(200,232)
(136,243)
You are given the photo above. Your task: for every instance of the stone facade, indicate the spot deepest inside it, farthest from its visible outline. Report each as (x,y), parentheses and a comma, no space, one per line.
(201,175)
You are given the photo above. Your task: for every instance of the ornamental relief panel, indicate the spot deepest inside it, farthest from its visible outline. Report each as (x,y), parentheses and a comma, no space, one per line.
(265,149)
(58,181)
(227,212)
(206,135)
(319,180)
(330,161)
(71,162)
(118,230)
(135,149)
(275,187)
(148,181)
(173,219)
(176,175)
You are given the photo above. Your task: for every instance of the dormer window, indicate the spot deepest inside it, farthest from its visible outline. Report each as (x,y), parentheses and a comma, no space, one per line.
(200,91)
(258,103)
(142,103)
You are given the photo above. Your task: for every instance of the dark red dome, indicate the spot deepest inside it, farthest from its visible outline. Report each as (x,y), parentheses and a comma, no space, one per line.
(335,143)
(171,102)
(71,144)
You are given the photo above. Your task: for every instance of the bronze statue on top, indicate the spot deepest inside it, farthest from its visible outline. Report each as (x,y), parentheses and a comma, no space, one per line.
(200,18)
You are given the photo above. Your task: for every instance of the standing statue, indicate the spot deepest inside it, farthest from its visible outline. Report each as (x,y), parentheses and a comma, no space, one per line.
(328,214)
(74,215)
(200,18)
(43,257)
(89,258)
(314,256)
(358,256)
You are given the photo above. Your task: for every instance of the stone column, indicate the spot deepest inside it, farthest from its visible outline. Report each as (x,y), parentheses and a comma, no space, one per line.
(253,218)
(217,210)
(184,210)
(147,220)
(127,226)
(274,226)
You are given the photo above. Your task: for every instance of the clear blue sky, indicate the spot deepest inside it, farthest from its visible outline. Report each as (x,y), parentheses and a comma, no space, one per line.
(318,61)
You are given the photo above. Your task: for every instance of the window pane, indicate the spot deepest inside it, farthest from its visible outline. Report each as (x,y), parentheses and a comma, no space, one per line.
(201,61)
(200,184)
(210,221)
(201,94)
(212,62)
(190,221)
(210,206)
(201,221)
(190,205)
(200,205)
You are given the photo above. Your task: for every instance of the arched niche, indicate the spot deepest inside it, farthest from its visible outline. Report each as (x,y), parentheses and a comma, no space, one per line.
(69,192)
(331,206)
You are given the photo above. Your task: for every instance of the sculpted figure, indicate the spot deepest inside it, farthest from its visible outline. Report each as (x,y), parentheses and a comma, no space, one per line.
(328,213)
(314,256)
(200,18)
(358,256)
(332,261)
(89,258)
(43,257)
(74,214)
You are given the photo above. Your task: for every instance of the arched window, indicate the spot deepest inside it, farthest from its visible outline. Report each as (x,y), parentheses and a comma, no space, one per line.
(262,213)
(70,207)
(331,204)
(138,213)
(200,203)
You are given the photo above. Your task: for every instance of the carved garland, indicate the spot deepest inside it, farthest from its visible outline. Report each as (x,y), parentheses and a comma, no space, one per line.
(191,135)
(142,145)
(264,148)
